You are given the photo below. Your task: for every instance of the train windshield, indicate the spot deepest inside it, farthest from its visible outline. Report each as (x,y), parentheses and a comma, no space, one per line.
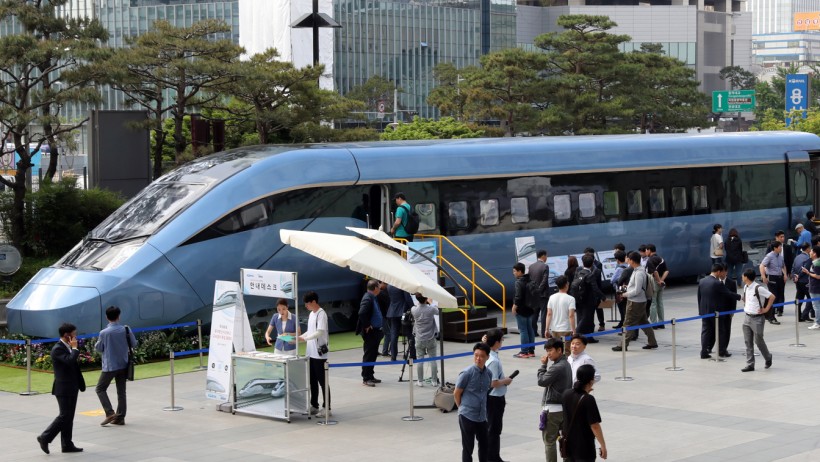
(147,212)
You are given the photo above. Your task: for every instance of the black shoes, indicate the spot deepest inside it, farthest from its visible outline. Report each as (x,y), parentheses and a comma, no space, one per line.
(649,347)
(72,449)
(118,421)
(705,356)
(748,369)
(618,348)
(769,363)
(774,321)
(725,354)
(368,383)
(592,340)
(43,444)
(375,380)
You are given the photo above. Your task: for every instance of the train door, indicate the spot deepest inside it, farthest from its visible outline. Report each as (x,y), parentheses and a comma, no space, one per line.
(814,159)
(379,208)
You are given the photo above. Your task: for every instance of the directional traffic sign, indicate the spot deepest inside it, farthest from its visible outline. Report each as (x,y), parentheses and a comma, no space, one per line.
(733,101)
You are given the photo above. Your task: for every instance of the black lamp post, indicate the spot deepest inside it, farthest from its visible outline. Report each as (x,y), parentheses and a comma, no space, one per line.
(315,20)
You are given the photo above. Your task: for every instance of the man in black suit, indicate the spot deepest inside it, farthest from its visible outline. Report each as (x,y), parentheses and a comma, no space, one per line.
(370,328)
(713,295)
(68,383)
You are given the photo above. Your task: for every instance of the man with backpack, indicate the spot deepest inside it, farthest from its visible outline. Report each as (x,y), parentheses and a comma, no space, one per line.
(539,273)
(523,311)
(638,291)
(588,295)
(407,221)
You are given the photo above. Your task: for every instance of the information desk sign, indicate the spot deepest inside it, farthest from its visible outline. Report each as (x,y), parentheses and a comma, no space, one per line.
(733,101)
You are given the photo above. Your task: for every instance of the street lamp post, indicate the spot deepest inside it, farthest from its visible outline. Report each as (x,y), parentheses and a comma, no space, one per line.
(315,21)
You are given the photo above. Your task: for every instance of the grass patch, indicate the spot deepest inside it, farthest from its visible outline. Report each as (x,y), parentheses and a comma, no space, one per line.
(13,379)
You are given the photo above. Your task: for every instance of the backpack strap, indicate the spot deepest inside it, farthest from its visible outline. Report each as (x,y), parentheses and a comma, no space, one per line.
(406,216)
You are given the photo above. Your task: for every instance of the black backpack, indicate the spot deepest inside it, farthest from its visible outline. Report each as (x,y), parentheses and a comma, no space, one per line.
(578,289)
(413,221)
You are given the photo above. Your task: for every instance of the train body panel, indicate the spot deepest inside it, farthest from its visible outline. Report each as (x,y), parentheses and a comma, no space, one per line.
(158,256)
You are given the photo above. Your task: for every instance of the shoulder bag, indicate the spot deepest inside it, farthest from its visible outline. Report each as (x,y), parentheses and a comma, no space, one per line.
(129,374)
(563,440)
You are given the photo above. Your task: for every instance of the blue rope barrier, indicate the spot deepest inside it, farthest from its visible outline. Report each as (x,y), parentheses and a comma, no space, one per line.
(134,330)
(190,352)
(13,342)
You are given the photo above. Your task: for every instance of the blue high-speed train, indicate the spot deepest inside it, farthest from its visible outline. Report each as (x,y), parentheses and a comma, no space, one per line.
(157,257)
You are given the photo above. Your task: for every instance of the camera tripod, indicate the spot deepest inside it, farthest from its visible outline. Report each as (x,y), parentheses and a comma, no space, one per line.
(408,351)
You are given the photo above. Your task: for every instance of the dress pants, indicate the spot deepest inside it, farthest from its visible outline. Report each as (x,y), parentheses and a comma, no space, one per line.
(370,347)
(64,422)
(802,294)
(395,330)
(470,432)
(317,381)
(542,306)
(707,335)
(102,391)
(586,319)
(495,421)
(724,332)
(753,332)
(777,286)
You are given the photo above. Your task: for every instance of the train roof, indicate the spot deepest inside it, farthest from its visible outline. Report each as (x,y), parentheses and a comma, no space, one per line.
(485,157)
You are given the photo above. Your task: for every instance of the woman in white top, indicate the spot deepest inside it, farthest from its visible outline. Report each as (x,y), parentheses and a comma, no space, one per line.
(716,244)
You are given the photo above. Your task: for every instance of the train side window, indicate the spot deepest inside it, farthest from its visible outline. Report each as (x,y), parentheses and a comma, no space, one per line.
(699,198)
(458,214)
(801,185)
(489,212)
(252,216)
(427,216)
(586,204)
(611,205)
(657,200)
(562,206)
(519,209)
(634,202)
(679,199)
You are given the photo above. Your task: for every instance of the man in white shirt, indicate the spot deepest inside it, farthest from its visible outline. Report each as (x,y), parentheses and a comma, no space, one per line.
(560,321)
(757,300)
(578,357)
(316,349)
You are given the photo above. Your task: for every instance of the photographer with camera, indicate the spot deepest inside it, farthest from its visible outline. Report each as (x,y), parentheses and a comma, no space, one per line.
(316,349)
(424,318)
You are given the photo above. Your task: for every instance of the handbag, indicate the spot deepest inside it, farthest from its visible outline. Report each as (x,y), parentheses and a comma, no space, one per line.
(129,372)
(744,257)
(563,440)
(718,252)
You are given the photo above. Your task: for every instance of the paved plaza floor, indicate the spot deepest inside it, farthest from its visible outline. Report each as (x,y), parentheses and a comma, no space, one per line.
(709,411)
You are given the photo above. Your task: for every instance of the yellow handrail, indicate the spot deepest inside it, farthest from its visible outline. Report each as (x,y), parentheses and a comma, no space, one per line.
(472,279)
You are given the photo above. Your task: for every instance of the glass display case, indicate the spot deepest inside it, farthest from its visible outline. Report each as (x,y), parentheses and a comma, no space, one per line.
(269,385)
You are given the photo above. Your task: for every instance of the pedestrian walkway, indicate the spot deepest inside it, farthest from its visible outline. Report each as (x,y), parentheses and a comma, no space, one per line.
(708,412)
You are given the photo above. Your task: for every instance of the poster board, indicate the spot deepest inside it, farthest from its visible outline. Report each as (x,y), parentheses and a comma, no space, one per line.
(525,251)
(558,265)
(230,331)
(273,284)
(607,259)
(428,249)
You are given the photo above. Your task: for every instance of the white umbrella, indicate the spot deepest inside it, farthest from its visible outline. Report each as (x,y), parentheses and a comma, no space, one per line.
(369,259)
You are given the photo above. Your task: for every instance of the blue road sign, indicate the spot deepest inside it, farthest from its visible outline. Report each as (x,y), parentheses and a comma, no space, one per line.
(797,94)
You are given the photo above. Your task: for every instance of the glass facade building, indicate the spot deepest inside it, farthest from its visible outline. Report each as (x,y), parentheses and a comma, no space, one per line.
(403,41)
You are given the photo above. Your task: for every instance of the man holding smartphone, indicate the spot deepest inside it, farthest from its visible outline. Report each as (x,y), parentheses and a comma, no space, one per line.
(496,402)
(68,383)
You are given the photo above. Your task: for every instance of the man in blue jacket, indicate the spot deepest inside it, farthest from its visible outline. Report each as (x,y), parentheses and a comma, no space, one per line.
(113,345)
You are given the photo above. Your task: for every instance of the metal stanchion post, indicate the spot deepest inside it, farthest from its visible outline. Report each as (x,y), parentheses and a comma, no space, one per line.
(717,357)
(172,407)
(623,378)
(28,391)
(797,327)
(674,349)
(412,417)
(326,392)
(199,334)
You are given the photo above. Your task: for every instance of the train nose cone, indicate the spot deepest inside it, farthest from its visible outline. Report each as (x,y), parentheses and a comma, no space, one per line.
(39,309)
